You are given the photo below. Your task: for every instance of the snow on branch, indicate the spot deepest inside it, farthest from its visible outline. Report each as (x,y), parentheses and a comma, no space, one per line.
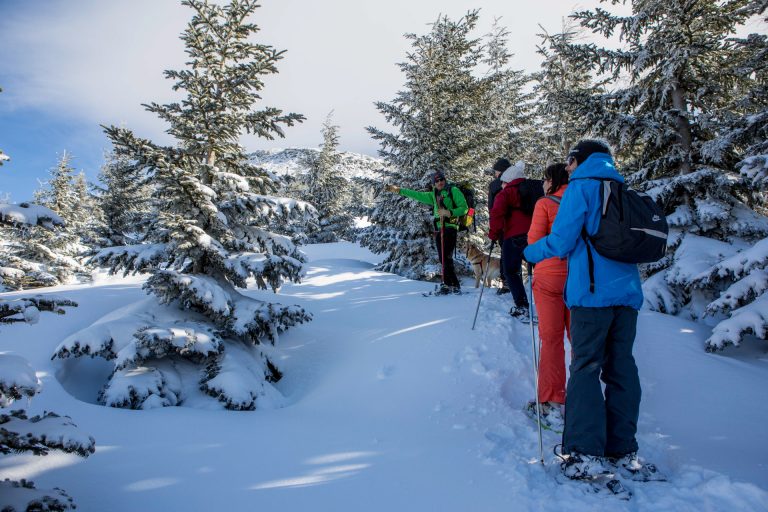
(696,255)
(22,495)
(131,258)
(29,214)
(40,434)
(737,265)
(240,316)
(241,378)
(17,379)
(262,266)
(754,170)
(749,319)
(741,292)
(27,309)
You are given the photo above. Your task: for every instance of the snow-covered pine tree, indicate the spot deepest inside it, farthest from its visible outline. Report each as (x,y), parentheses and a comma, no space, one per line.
(506,113)
(41,433)
(125,201)
(743,132)
(438,127)
(90,218)
(49,257)
(508,109)
(561,87)
(210,238)
(674,90)
(327,189)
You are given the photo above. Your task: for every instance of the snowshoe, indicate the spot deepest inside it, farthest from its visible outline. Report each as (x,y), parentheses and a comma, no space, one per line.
(631,467)
(551,416)
(593,473)
(443,290)
(521,313)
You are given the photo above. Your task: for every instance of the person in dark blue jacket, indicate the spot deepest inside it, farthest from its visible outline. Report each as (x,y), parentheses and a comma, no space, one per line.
(599,429)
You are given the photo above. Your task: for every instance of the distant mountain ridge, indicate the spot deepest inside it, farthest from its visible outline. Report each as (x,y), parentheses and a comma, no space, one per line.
(290,162)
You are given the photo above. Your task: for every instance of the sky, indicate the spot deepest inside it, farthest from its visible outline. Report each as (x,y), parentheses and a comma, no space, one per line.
(68,67)
(66,70)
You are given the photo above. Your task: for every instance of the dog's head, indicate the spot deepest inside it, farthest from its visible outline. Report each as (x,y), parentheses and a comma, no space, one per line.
(473,253)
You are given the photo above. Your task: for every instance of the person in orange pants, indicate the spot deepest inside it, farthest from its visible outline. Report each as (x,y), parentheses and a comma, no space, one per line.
(554,317)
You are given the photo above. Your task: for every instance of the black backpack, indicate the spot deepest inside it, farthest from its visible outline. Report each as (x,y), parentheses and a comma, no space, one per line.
(530,191)
(469,195)
(632,229)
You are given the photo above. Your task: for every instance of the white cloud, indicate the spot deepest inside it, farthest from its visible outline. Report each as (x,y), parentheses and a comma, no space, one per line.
(98,61)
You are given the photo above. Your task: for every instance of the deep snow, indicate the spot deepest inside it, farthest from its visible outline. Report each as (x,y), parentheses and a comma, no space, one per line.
(394,404)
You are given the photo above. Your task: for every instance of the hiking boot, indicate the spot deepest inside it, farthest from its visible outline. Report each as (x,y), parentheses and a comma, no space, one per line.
(455,290)
(551,415)
(502,290)
(443,290)
(521,313)
(580,466)
(634,468)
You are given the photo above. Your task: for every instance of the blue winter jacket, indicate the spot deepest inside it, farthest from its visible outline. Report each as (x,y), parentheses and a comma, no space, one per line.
(616,283)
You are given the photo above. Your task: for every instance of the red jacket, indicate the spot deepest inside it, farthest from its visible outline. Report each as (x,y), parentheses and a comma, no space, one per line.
(507,219)
(543,217)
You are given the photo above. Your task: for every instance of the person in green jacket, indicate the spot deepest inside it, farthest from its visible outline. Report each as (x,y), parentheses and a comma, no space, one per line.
(448,204)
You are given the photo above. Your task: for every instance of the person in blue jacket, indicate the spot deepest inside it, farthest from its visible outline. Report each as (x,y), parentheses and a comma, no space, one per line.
(599,429)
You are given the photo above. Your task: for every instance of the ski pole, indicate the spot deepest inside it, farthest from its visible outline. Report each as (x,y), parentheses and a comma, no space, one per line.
(482,287)
(535,361)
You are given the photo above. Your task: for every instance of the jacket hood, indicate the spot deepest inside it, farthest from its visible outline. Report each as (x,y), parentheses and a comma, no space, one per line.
(597,165)
(514,172)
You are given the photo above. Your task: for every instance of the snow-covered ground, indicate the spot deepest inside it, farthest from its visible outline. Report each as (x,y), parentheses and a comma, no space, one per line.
(395,404)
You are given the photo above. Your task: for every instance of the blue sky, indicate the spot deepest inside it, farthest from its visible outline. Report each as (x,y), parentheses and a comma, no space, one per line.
(67,67)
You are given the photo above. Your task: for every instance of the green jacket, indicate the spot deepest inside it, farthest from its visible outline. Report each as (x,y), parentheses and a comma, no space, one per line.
(453,200)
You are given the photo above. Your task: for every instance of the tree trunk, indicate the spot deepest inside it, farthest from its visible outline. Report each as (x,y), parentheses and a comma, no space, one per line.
(683,128)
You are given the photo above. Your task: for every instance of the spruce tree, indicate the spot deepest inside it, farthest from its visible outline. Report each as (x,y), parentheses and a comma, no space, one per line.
(124,200)
(49,257)
(438,128)
(508,108)
(327,189)
(561,87)
(211,236)
(676,94)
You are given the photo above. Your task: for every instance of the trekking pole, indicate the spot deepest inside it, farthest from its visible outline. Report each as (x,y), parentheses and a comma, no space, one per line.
(535,362)
(442,251)
(482,287)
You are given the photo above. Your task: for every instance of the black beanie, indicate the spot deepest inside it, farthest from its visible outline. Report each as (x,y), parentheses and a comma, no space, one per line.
(586,147)
(439,175)
(501,165)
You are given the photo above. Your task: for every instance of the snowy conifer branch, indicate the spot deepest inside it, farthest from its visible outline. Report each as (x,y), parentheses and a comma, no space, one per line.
(17,379)
(749,319)
(22,495)
(40,434)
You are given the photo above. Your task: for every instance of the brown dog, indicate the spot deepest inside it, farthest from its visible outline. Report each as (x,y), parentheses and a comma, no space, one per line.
(479,260)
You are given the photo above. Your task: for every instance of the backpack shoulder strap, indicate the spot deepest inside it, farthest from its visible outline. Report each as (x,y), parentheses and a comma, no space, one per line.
(553,198)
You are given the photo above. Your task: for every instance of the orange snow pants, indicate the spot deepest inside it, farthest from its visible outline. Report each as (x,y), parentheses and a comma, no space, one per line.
(554,322)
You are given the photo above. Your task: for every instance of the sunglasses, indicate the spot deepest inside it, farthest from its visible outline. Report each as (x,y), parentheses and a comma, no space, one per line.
(570,160)
(437,180)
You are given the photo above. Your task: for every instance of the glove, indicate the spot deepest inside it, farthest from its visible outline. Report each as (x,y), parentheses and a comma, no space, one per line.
(444,214)
(392,188)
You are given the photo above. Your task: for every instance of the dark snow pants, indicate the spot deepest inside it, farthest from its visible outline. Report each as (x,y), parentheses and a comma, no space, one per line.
(602,340)
(445,249)
(512,256)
